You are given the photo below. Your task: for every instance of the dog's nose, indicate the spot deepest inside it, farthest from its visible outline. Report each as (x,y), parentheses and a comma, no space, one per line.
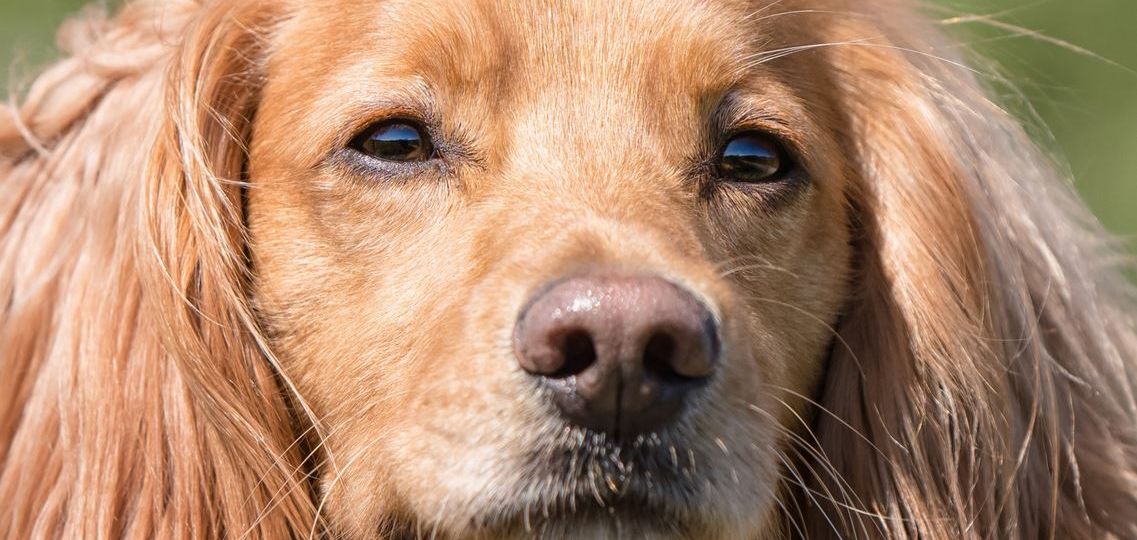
(619,353)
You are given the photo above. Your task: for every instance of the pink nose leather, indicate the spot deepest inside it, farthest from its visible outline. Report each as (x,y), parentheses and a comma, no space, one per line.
(619,353)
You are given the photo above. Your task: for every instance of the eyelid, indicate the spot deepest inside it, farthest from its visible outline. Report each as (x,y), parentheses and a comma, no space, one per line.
(373,112)
(376,126)
(386,118)
(788,139)
(739,112)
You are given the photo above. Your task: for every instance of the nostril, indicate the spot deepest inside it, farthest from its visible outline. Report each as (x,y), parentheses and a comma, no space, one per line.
(578,351)
(681,354)
(659,356)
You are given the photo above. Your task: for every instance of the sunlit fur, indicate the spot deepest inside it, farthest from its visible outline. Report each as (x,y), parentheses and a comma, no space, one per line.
(213,326)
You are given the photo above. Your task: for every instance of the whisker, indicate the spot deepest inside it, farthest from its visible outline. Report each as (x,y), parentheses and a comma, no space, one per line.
(279,496)
(794,520)
(852,14)
(732,266)
(340,474)
(826,410)
(816,451)
(827,326)
(799,445)
(809,493)
(761,10)
(774,54)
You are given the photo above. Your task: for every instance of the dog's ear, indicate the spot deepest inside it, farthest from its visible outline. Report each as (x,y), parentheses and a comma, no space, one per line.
(981,384)
(141,401)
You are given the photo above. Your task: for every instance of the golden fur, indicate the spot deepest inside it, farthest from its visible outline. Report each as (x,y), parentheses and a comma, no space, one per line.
(213,326)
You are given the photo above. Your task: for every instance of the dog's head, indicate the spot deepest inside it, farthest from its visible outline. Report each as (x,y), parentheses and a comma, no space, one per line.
(542,266)
(695,269)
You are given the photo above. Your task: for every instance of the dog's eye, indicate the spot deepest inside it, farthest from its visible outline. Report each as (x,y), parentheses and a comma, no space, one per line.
(752,157)
(400,140)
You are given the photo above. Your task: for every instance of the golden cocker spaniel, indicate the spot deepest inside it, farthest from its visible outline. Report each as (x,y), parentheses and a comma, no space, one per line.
(559,269)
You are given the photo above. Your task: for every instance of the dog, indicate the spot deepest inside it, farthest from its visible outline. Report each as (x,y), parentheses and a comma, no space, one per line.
(537,269)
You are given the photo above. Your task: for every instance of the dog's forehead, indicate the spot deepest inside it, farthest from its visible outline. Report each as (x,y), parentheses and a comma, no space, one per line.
(686,46)
(570,42)
(543,69)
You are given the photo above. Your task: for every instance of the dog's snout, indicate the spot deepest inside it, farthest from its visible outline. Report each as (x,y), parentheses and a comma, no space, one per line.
(620,353)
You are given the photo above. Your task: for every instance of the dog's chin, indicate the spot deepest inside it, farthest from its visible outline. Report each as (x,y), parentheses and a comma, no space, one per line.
(593,523)
(596,487)
(601,484)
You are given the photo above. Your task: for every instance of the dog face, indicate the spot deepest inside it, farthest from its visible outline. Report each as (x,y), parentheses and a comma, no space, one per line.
(468,220)
(555,269)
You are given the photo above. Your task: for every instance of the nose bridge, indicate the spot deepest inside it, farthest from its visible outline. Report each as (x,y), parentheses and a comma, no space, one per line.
(582,138)
(584,184)
(592,161)
(558,213)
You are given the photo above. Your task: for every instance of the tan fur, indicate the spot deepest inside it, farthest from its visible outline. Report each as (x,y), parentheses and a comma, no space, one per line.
(213,325)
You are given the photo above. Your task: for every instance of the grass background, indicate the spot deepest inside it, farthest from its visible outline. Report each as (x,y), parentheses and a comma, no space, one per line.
(1087,101)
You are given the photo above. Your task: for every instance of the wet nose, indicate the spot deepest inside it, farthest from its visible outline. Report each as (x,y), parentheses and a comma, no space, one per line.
(619,354)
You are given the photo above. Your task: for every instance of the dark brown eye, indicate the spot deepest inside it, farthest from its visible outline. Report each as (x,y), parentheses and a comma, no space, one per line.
(400,140)
(752,157)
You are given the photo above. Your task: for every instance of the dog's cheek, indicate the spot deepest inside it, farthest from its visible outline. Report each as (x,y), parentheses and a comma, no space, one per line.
(353,301)
(468,413)
(789,273)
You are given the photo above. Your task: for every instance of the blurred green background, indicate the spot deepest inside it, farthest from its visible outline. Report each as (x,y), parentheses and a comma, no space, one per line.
(1087,101)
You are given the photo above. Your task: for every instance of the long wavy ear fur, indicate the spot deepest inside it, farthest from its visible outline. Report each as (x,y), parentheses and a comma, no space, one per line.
(136,400)
(982,385)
